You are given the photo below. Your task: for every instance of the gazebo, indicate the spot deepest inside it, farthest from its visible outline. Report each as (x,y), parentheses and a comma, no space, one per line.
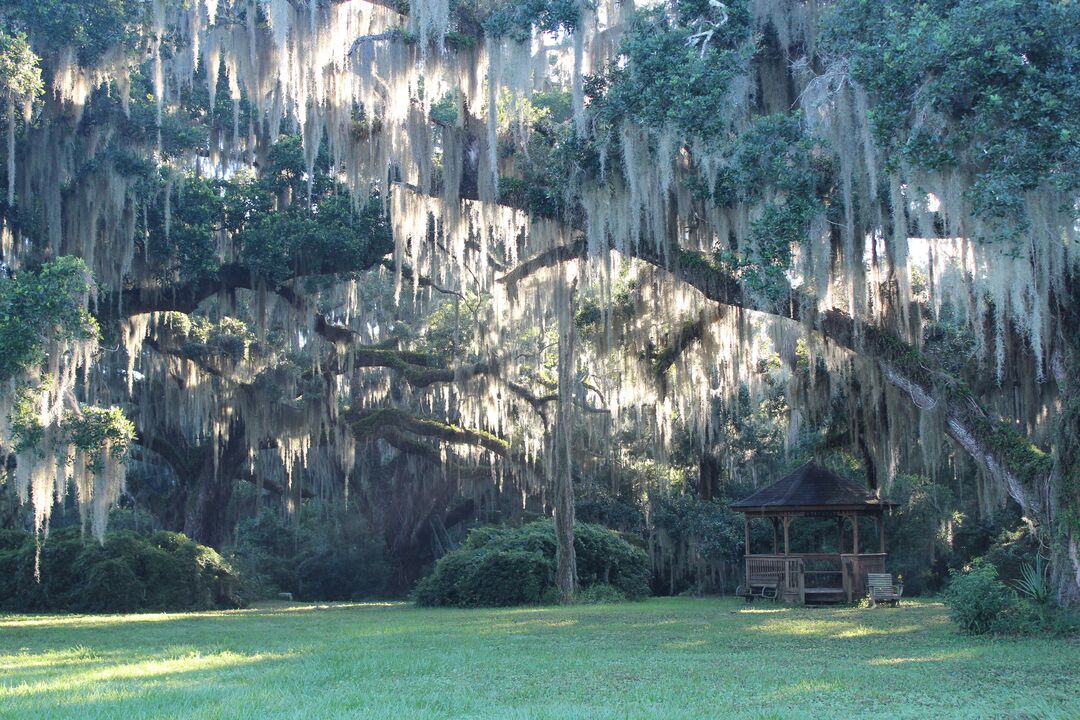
(818,577)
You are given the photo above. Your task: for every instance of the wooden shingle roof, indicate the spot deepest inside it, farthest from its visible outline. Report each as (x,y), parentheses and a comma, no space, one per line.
(812,488)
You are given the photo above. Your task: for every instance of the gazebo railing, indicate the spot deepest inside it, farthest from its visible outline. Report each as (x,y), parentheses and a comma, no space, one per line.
(796,574)
(823,570)
(786,571)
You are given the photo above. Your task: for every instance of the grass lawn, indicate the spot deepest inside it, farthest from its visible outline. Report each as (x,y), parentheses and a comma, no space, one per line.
(663,658)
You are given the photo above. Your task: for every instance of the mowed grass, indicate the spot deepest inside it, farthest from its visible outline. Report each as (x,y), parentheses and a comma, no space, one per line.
(663,658)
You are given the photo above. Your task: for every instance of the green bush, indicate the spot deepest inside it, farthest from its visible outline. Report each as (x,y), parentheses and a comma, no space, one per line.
(510,577)
(977,599)
(981,603)
(499,566)
(111,586)
(599,594)
(130,571)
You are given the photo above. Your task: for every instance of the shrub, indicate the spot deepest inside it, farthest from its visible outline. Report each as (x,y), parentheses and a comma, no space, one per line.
(111,586)
(977,599)
(498,566)
(510,577)
(600,593)
(130,571)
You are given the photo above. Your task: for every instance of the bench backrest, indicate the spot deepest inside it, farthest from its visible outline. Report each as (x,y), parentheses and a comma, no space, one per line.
(765,579)
(879,580)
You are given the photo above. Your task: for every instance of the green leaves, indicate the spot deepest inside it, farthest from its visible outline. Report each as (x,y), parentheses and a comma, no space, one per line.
(94,429)
(39,307)
(276,231)
(665,81)
(1033,583)
(516,19)
(20,69)
(988,87)
(90,27)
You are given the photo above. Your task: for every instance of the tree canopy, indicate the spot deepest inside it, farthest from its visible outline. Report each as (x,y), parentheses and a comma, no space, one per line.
(450,258)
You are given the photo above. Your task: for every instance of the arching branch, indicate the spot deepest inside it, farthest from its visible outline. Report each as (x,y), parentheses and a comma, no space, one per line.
(1003,455)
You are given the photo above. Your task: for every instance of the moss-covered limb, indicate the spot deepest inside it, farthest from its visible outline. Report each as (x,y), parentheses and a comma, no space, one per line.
(422,280)
(420,370)
(547,259)
(1002,451)
(186,459)
(662,359)
(368,423)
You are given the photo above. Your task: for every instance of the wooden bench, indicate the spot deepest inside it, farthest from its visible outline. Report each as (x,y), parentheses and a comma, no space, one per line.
(765,586)
(883,590)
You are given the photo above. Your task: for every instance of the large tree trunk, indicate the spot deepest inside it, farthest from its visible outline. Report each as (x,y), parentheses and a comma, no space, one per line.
(565,558)
(207,516)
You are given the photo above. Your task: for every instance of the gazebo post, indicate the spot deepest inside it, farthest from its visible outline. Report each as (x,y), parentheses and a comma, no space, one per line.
(881,533)
(855,539)
(775,536)
(746,550)
(787,544)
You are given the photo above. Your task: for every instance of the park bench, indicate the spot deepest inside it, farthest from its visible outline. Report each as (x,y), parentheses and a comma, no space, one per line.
(883,590)
(761,585)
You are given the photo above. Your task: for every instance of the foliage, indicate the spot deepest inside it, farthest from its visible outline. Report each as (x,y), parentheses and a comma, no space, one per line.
(88,428)
(1010,550)
(90,27)
(93,429)
(499,566)
(916,533)
(20,69)
(988,86)
(666,82)
(279,230)
(702,537)
(42,306)
(129,571)
(516,19)
(1033,584)
(600,594)
(977,598)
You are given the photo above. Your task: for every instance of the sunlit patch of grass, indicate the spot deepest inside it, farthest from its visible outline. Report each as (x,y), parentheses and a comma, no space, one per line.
(675,659)
(145,670)
(272,608)
(684,645)
(935,658)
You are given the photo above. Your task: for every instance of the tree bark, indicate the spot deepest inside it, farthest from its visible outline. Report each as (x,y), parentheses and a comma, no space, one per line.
(565,557)
(209,510)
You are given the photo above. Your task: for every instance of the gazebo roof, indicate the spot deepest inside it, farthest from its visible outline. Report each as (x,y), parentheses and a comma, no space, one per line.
(811,488)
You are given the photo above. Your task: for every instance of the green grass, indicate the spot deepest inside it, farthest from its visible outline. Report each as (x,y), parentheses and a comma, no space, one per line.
(671,658)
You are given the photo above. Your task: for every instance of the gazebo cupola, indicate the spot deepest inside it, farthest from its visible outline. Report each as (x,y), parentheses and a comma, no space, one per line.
(812,490)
